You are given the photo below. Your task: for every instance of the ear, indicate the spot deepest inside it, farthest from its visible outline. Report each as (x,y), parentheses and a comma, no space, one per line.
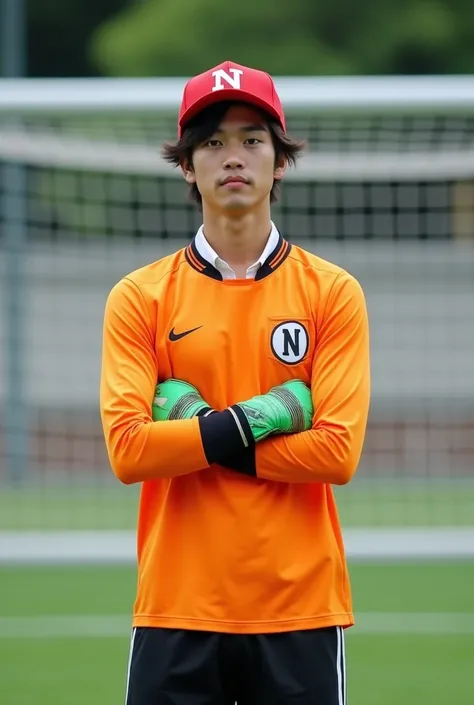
(280,169)
(188,172)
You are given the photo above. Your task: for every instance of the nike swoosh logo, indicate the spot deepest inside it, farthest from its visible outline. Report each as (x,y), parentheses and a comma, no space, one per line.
(177,336)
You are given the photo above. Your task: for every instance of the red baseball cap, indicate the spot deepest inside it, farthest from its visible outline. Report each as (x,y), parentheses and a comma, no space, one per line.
(230,81)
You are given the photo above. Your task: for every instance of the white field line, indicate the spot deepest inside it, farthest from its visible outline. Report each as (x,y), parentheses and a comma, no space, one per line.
(102,626)
(119,547)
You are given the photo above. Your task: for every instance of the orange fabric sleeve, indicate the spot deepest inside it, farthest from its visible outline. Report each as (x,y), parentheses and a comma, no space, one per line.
(340,384)
(139,449)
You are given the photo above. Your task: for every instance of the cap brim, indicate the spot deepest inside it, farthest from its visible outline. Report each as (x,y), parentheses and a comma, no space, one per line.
(227,94)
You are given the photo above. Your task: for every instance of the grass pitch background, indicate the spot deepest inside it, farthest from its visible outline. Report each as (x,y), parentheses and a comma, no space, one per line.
(64,634)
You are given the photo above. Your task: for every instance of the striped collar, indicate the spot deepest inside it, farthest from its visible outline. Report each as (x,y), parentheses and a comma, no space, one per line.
(210,255)
(203,258)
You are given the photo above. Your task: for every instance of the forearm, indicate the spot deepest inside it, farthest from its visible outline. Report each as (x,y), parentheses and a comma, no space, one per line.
(140,449)
(317,455)
(327,454)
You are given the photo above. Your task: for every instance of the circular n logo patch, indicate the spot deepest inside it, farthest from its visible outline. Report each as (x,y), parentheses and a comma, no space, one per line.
(290,342)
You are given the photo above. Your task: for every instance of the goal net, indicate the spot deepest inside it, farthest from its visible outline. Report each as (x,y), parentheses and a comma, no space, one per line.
(386,190)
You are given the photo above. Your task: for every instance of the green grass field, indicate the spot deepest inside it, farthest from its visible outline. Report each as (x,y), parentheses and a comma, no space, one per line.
(64,634)
(114,506)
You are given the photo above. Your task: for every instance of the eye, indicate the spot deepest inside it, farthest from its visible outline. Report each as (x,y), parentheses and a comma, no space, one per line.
(252,141)
(212,143)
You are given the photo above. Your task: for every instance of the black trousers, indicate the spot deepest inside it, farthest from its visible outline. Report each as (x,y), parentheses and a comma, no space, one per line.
(184,667)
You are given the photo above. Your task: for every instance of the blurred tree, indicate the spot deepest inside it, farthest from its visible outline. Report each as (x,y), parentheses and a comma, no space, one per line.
(183,37)
(58,33)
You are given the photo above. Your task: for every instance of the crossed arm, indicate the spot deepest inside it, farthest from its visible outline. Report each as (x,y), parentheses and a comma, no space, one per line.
(140,449)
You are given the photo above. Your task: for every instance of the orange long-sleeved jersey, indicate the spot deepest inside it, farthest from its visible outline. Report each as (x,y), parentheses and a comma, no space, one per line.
(218,550)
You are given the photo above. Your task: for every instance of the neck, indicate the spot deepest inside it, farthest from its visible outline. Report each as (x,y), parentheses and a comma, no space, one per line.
(238,240)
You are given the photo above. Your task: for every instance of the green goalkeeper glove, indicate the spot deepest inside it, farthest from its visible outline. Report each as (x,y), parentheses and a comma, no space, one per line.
(287,408)
(175,399)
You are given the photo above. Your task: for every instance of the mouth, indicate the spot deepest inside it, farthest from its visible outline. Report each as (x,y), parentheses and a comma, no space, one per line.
(235,182)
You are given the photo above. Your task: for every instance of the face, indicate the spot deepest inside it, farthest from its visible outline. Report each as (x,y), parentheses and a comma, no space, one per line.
(235,168)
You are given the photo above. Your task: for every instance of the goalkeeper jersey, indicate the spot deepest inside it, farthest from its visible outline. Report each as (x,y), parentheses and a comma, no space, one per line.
(218,550)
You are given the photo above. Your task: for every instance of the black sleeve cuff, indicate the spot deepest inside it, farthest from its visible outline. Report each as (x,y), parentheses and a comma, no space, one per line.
(225,435)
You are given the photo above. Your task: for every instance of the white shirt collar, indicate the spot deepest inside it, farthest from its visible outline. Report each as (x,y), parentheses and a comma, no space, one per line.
(211,256)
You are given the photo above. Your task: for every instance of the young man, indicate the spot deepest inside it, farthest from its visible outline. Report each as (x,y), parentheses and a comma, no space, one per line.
(261,354)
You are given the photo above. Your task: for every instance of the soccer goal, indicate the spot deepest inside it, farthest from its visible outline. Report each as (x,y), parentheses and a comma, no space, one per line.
(386,190)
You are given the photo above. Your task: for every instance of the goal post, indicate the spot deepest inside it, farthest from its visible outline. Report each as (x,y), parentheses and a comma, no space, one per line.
(302,94)
(385,189)
(393,127)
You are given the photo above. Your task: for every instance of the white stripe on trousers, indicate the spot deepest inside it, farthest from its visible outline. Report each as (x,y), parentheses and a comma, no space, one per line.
(341,667)
(130,654)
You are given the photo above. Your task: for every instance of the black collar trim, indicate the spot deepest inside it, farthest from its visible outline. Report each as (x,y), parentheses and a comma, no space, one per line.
(199,263)
(273,261)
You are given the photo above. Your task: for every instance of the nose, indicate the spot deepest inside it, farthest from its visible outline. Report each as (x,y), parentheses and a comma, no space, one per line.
(233,161)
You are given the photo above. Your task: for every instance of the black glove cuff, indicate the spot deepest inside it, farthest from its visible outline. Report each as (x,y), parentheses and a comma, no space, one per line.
(224,437)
